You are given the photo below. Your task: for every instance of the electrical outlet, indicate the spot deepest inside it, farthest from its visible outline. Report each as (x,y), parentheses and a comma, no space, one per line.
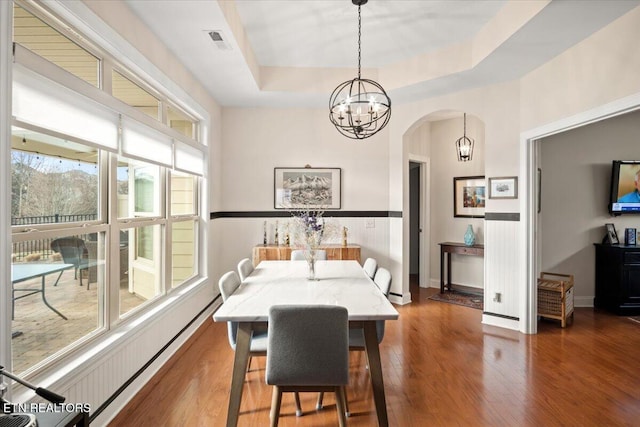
(497,297)
(370,223)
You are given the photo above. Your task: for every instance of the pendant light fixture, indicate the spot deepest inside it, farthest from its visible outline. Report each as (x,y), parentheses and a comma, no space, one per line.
(464,145)
(359,108)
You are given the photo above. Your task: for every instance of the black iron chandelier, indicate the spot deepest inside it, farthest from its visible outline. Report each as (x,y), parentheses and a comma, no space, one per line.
(464,145)
(359,108)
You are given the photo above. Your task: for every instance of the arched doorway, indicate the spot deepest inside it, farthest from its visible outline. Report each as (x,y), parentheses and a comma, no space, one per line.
(429,147)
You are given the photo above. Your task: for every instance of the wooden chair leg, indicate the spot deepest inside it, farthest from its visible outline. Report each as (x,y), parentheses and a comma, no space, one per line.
(319,402)
(340,399)
(346,402)
(249,364)
(276,399)
(298,407)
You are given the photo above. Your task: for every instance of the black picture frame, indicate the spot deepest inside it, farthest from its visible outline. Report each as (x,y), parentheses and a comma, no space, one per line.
(319,188)
(469,195)
(612,236)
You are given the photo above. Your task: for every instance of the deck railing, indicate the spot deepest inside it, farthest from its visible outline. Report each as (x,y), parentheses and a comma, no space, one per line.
(41,248)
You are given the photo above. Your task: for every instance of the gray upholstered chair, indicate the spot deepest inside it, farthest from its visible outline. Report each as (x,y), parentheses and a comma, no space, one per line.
(301,255)
(245,267)
(228,284)
(370,266)
(298,360)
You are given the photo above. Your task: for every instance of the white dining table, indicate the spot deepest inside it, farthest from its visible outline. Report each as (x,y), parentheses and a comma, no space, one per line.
(341,283)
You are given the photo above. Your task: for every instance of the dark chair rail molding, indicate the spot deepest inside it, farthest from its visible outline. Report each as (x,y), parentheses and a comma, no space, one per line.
(285,214)
(502,216)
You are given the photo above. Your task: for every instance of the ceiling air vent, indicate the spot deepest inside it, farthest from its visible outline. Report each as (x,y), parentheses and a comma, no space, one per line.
(218,40)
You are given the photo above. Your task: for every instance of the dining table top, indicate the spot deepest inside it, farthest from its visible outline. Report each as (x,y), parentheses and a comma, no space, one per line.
(342,283)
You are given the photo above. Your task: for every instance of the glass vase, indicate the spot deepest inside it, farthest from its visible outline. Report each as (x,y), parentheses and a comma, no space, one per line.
(469,236)
(311,272)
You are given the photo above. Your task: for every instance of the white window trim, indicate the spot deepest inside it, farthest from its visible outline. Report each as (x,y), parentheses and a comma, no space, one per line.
(81,17)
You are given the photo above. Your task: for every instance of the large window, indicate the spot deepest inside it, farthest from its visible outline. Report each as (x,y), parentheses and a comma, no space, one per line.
(105,201)
(132,94)
(39,37)
(52,180)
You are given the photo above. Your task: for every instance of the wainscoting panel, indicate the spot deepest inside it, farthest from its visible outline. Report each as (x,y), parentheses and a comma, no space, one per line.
(502,268)
(238,236)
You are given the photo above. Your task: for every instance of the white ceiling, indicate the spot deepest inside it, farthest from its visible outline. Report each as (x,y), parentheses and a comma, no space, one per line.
(313,40)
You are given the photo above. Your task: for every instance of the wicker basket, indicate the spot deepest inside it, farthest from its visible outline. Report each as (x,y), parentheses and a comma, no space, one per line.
(555,296)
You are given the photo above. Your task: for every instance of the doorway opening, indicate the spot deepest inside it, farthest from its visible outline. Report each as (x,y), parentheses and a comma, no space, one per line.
(418,222)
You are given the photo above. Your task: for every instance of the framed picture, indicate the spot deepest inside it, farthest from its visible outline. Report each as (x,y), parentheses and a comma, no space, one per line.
(503,187)
(468,196)
(309,187)
(612,236)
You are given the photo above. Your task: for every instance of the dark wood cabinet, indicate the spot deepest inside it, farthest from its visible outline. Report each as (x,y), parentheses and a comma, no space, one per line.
(618,279)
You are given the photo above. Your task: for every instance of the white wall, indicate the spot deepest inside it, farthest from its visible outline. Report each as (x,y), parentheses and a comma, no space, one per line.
(256,140)
(576,178)
(598,70)
(499,156)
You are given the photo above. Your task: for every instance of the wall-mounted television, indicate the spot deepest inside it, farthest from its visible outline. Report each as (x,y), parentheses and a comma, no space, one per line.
(625,187)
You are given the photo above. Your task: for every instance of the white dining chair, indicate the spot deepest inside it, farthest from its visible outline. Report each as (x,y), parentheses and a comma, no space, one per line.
(382,279)
(301,255)
(370,266)
(245,268)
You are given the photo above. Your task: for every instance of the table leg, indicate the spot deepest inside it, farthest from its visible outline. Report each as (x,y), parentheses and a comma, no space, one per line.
(243,344)
(441,270)
(44,298)
(449,271)
(375,370)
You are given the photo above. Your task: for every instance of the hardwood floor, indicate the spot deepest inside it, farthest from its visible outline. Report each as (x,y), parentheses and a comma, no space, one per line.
(442,367)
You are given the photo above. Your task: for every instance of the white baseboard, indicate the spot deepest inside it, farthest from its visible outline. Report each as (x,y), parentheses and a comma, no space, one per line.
(404,299)
(501,322)
(583,302)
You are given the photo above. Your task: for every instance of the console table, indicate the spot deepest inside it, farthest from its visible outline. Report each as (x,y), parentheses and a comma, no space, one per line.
(283,252)
(618,279)
(455,248)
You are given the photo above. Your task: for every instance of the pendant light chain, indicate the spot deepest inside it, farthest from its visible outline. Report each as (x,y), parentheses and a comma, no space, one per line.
(359,43)
(465,125)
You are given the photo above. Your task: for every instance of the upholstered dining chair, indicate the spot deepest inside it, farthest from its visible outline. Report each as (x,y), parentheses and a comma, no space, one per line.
(301,255)
(228,284)
(370,266)
(245,268)
(299,361)
(382,279)
(356,335)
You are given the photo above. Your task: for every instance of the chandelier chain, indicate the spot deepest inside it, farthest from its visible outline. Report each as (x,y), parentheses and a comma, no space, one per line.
(359,43)
(465,124)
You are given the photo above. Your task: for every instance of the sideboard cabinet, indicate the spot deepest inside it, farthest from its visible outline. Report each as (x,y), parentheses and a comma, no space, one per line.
(618,279)
(282,252)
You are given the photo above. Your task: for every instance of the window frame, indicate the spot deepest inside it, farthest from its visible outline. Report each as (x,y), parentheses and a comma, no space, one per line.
(108,162)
